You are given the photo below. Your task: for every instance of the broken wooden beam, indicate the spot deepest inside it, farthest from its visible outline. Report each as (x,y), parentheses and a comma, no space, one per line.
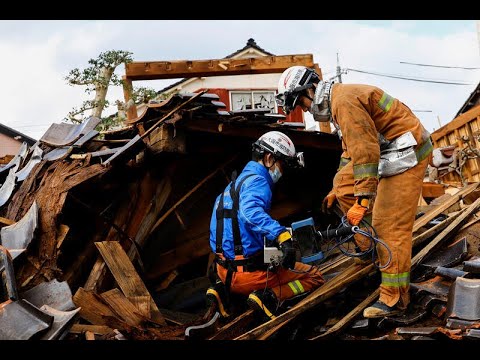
(151,70)
(445,234)
(432,213)
(126,276)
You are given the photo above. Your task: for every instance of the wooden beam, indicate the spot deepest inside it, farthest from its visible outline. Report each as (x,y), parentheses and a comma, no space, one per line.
(93,309)
(5,221)
(127,95)
(189,193)
(152,70)
(445,234)
(96,329)
(122,307)
(349,317)
(419,239)
(322,293)
(432,213)
(125,274)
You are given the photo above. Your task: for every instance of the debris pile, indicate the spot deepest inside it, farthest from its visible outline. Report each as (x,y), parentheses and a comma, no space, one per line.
(105,235)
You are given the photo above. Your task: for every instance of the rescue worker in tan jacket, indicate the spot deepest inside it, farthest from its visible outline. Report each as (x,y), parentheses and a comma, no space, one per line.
(388,150)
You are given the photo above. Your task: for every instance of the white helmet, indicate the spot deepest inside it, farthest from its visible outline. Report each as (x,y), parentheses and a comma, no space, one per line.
(281,146)
(292,83)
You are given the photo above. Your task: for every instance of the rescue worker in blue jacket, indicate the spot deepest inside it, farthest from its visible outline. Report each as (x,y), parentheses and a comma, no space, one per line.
(240,224)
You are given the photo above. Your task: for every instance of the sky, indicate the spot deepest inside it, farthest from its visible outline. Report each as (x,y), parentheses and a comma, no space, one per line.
(37,55)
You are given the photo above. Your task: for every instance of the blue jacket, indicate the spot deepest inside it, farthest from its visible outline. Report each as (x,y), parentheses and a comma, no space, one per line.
(253,215)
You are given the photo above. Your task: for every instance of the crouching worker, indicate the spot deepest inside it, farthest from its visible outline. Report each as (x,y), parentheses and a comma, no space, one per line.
(240,221)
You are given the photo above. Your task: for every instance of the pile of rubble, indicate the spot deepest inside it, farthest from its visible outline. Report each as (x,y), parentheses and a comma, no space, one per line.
(105,236)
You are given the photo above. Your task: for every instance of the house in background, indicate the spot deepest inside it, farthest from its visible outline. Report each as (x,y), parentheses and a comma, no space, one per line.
(472,101)
(462,132)
(10,142)
(243,92)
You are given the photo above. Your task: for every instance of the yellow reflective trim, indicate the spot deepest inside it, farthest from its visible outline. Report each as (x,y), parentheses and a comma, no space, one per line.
(220,304)
(343,162)
(296,287)
(396,280)
(424,150)
(260,303)
(386,102)
(365,171)
(284,237)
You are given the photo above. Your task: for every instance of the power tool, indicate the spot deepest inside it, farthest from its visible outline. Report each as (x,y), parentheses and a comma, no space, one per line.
(308,241)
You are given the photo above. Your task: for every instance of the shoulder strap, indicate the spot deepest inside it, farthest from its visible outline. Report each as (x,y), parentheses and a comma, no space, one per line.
(223,213)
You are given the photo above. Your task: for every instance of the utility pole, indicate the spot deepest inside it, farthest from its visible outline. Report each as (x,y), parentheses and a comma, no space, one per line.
(439,123)
(339,70)
(478,34)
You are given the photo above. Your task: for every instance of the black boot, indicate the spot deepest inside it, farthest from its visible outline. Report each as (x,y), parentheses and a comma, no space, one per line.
(264,302)
(217,296)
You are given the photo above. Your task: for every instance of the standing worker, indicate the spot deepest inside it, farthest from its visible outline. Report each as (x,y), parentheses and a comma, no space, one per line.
(240,224)
(389,151)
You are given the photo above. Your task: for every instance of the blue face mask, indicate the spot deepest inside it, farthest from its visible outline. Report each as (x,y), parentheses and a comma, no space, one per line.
(275,174)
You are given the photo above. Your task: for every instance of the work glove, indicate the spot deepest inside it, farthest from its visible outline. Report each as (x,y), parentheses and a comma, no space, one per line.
(356,213)
(328,202)
(289,254)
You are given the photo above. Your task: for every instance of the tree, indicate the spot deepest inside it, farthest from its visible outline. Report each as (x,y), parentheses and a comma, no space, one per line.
(97,78)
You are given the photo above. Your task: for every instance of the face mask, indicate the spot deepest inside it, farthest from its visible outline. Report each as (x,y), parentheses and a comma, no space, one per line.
(319,108)
(320,112)
(275,174)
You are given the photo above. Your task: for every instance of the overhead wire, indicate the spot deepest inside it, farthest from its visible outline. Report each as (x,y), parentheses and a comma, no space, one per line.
(408,78)
(441,66)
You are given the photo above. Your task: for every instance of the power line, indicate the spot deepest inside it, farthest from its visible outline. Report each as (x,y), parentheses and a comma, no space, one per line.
(441,66)
(406,78)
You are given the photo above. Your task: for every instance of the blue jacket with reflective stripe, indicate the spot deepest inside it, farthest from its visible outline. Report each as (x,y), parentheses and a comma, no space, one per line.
(253,215)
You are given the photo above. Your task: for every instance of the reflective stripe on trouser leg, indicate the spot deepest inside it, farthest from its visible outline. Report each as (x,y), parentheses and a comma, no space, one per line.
(393,217)
(296,287)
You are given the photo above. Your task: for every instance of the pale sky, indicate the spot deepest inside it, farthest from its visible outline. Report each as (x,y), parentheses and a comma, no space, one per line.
(38,54)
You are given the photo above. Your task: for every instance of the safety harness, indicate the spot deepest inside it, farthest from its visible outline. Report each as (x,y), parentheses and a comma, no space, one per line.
(251,264)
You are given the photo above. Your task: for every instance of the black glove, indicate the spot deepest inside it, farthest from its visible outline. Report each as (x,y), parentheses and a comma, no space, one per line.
(289,254)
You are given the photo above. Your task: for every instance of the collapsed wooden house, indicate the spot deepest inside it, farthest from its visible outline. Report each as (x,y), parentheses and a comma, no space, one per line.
(123,219)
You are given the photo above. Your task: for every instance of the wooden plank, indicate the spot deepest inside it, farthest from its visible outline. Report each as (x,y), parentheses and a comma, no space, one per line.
(231,329)
(432,190)
(142,303)
(98,272)
(476,218)
(339,326)
(432,213)
(140,225)
(191,191)
(121,306)
(125,274)
(320,294)
(95,329)
(89,335)
(5,221)
(445,234)
(459,121)
(167,281)
(419,239)
(151,70)
(93,309)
